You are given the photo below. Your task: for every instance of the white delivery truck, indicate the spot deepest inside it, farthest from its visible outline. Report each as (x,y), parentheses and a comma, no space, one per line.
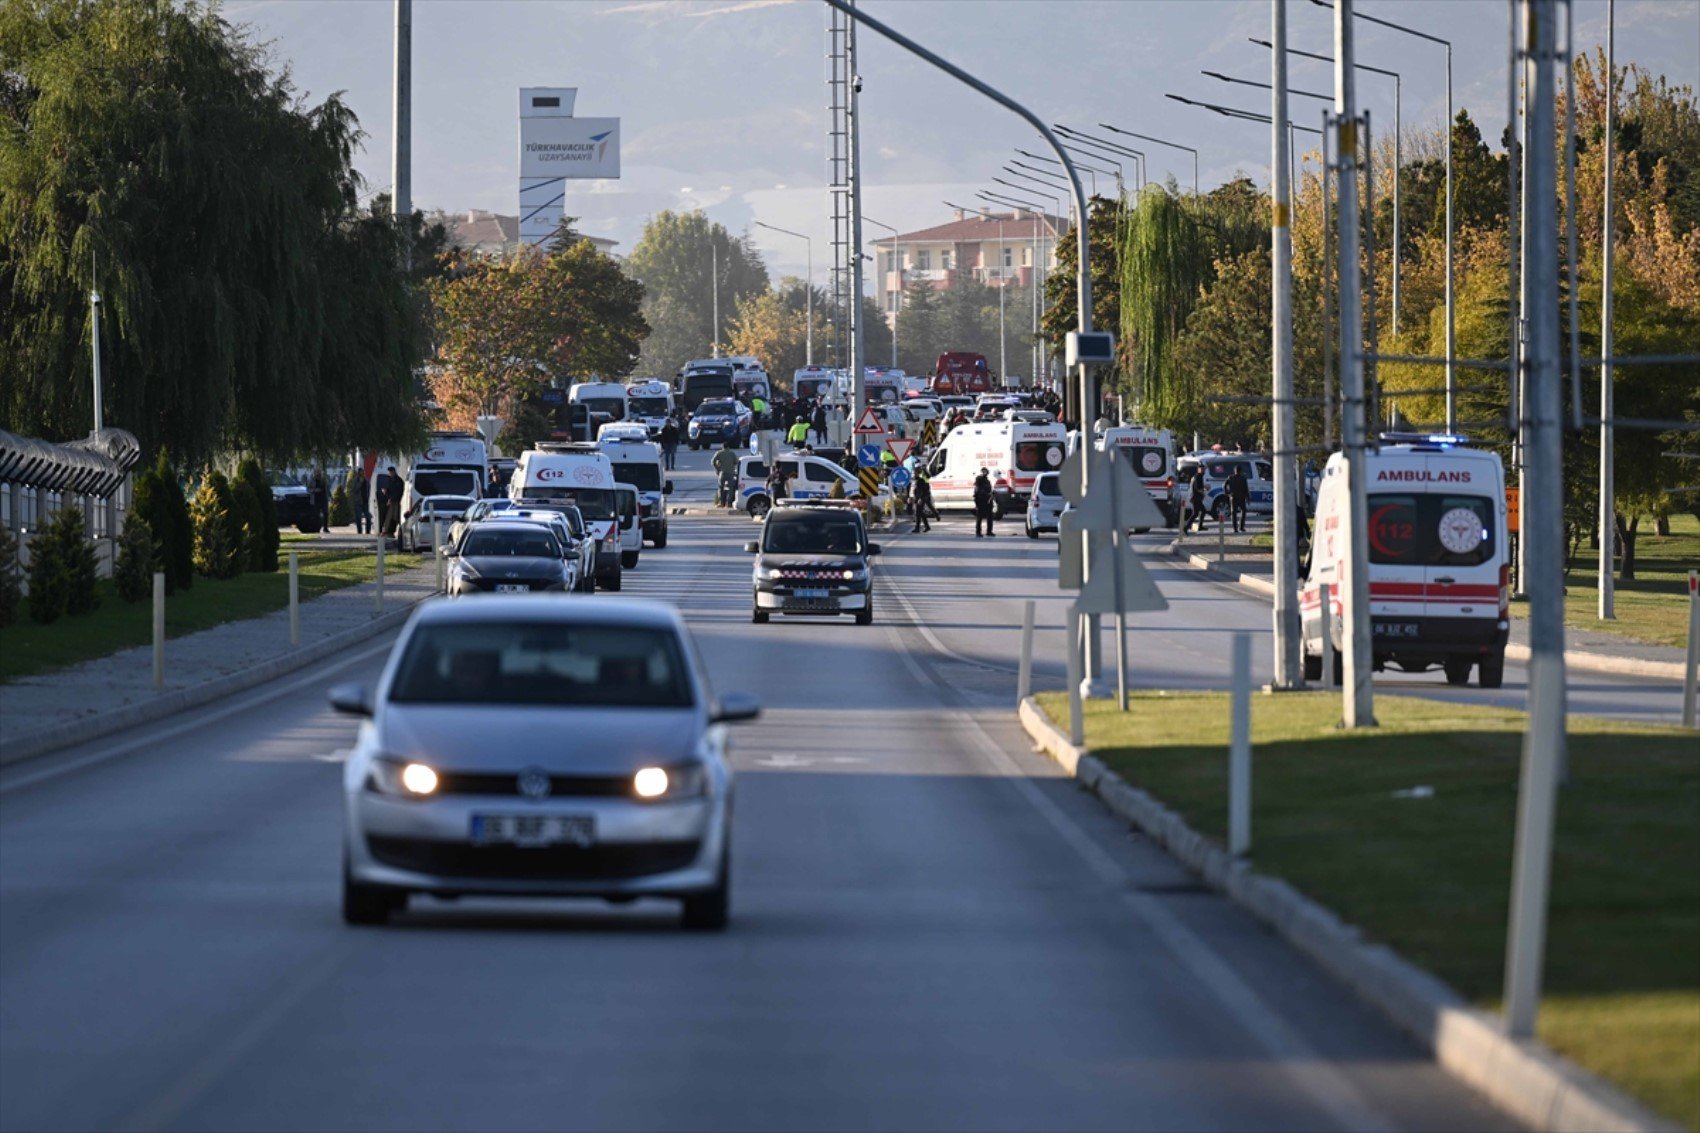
(649,403)
(582,475)
(1439,579)
(1152,453)
(638,463)
(605,401)
(453,464)
(1014,452)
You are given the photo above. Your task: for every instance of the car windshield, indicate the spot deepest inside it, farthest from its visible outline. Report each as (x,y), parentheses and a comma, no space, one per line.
(644,477)
(715,409)
(649,406)
(547,663)
(614,407)
(444,482)
(1430,529)
(509,543)
(812,535)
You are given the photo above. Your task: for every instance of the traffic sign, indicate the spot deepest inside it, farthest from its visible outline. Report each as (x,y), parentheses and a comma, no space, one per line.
(929,433)
(869,481)
(869,423)
(900,478)
(1513,510)
(900,447)
(868,456)
(1137,592)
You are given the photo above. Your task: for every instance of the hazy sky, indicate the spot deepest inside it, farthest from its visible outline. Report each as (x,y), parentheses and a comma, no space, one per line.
(724,102)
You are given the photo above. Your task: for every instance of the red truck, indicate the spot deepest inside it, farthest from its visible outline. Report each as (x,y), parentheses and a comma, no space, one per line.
(961,373)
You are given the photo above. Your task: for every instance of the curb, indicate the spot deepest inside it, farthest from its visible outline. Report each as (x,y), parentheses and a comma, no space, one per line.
(45,741)
(1573,658)
(1523,1078)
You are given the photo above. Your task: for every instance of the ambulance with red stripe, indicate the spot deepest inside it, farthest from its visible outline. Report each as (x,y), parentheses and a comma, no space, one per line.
(1152,453)
(1439,579)
(1015,453)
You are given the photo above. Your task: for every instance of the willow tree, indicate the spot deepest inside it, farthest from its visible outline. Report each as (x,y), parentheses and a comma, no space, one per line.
(1165,264)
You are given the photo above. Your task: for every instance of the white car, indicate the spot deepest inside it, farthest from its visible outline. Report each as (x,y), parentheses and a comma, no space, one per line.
(419,532)
(1046,505)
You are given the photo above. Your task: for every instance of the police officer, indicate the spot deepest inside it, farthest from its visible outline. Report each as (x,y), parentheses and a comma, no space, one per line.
(798,433)
(1239,493)
(726,465)
(983,504)
(921,498)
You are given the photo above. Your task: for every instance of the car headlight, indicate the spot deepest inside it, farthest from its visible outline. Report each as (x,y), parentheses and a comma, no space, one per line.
(463,569)
(681,781)
(402,778)
(766,574)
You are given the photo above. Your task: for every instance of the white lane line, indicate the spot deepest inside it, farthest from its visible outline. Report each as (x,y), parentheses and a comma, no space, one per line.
(199,719)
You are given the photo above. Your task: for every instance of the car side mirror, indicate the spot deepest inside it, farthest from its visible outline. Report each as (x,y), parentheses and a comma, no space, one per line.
(667,488)
(752,548)
(352,699)
(733,707)
(449,551)
(873,549)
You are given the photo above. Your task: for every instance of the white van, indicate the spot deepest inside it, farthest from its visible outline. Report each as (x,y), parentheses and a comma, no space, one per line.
(453,464)
(650,403)
(628,504)
(638,463)
(1152,452)
(605,401)
(811,478)
(1439,580)
(1013,451)
(582,475)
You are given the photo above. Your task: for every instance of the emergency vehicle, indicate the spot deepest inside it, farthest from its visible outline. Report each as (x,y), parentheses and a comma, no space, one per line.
(810,477)
(1439,579)
(638,462)
(580,474)
(814,383)
(960,372)
(453,464)
(1015,452)
(1152,452)
(650,403)
(606,401)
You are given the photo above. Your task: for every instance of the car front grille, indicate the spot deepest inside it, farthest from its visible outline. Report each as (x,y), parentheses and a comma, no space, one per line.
(560,786)
(611,862)
(532,583)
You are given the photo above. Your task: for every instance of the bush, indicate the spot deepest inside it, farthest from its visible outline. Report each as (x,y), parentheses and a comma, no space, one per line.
(11,591)
(249,525)
(262,552)
(218,532)
(341,514)
(159,500)
(132,574)
(62,569)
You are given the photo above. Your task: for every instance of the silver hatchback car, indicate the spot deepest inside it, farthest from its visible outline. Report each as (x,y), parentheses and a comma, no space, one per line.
(1046,504)
(527,747)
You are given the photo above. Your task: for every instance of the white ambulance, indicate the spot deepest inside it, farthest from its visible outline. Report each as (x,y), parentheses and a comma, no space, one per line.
(1439,580)
(1152,452)
(1015,452)
(453,464)
(580,474)
(649,403)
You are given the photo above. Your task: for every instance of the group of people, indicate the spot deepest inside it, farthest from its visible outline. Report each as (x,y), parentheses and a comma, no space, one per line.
(1196,509)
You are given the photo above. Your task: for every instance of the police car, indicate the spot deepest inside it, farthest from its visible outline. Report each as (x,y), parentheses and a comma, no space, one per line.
(813,559)
(810,477)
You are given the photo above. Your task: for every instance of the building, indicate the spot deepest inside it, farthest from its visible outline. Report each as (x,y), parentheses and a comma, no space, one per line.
(490,234)
(998,249)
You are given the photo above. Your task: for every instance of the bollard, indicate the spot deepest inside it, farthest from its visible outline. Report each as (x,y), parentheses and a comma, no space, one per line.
(294,597)
(1327,638)
(1239,750)
(378,594)
(1221,542)
(1076,725)
(437,550)
(1691,664)
(1024,681)
(158,629)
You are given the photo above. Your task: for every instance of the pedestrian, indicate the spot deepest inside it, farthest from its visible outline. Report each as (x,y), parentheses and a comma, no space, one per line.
(360,491)
(798,434)
(319,492)
(921,497)
(726,466)
(983,504)
(1239,493)
(669,444)
(390,488)
(777,484)
(758,406)
(817,424)
(1196,497)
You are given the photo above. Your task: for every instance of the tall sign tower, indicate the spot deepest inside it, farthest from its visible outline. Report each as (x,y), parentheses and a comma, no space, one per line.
(554,148)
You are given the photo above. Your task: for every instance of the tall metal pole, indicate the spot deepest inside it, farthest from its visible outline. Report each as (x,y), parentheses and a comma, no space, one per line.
(1357,696)
(1398,167)
(714,290)
(1451,322)
(1608,453)
(1328,292)
(858,327)
(1542,507)
(809,303)
(1003,281)
(1288,670)
(99,396)
(401,151)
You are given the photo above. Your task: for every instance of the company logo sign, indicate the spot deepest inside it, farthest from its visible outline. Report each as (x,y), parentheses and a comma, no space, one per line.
(569,148)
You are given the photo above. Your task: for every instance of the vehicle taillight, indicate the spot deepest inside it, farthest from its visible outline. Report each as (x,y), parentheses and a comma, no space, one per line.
(1504,589)
(1169,483)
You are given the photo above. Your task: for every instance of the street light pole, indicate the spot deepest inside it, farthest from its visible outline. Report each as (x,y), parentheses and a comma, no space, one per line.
(1608,453)
(1289,672)
(809,289)
(1161,142)
(898,252)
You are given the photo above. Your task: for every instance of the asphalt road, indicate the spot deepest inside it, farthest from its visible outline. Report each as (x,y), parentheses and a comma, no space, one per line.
(931,928)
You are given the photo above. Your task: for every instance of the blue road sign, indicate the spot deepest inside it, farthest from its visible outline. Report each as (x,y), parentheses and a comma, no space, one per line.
(868,456)
(900,478)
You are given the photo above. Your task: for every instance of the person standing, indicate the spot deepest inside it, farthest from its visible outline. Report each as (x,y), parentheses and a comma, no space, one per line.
(1239,494)
(726,466)
(817,424)
(669,444)
(798,434)
(359,493)
(983,504)
(391,488)
(921,497)
(777,484)
(1195,497)
(319,492)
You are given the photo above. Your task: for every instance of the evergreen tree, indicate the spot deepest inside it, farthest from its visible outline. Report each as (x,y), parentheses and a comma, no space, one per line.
(11,590)
(218,534)
(132,574)
(262,550)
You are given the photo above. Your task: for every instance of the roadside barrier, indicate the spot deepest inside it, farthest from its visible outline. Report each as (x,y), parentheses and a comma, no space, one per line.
(294,598)
(159,628)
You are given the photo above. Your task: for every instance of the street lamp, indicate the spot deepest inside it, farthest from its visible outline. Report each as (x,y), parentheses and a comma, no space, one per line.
(1116,173)
(1142,169)
(1003,366)
(809,289)
(1161,142)
(1040,247)
(898,252)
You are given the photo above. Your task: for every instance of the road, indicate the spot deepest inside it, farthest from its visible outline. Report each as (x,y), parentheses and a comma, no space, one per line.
(932,928)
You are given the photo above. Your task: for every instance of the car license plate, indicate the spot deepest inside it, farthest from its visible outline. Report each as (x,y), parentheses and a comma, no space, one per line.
(511,588)
(1406,630)
(534,829)
(812,593)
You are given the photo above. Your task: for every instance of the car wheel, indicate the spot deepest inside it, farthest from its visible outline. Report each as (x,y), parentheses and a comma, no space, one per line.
(1339,669)
(1458,670)
(1491,673)
(308,527)
(1219,510)
(614,581)
(759,616)
(865,616)
(1032,532)
(661,537)
(369,904)
(709,910)
(759,506)
(1312,666)
(997,508)
(628,559)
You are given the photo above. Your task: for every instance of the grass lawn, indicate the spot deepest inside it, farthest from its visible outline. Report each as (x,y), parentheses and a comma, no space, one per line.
(27,648)
(1652,608)
(1431,876)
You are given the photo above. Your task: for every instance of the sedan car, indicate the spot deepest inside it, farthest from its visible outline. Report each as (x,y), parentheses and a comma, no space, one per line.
(508,557)
(718,421)
(523,747)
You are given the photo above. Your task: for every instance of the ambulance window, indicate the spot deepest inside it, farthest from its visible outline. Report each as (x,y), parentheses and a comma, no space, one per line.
(1147,460)
(1038,456)
(1393,530)
(1431,530)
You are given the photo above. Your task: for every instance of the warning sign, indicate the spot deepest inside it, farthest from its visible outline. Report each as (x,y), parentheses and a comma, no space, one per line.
(1513,514)
(929,433)
(868,481)
(869,424)
(900,447)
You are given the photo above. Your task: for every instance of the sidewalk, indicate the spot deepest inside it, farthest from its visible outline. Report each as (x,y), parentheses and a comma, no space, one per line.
(1593,650)
(68,706)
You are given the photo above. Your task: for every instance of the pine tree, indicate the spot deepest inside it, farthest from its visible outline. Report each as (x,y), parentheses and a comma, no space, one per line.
(218,551)
(132,575)
(11,591)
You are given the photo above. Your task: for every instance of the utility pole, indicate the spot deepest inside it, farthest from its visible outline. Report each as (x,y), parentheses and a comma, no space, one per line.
(1003,282)
(1357,695)
(858,328)
(1542,507)
(1288,670)
(99,397)
(1608,451)
(401,149)
(714,290)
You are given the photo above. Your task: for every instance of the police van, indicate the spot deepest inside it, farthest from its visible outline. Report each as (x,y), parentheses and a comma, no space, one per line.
(1152,454)
(1017,452)
(1439,579)
(580,474)
(638,463)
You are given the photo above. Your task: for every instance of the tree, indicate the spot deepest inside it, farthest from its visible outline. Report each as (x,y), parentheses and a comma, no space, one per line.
(774,326)
(248,523)
(218,535)
(674,259)
(132,574)
(146,149)
(159,500)
(264,539)
(62,569)
(11,592)
(1103,233)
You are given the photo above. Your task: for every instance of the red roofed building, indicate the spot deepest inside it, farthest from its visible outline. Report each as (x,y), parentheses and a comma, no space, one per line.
(973,246)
